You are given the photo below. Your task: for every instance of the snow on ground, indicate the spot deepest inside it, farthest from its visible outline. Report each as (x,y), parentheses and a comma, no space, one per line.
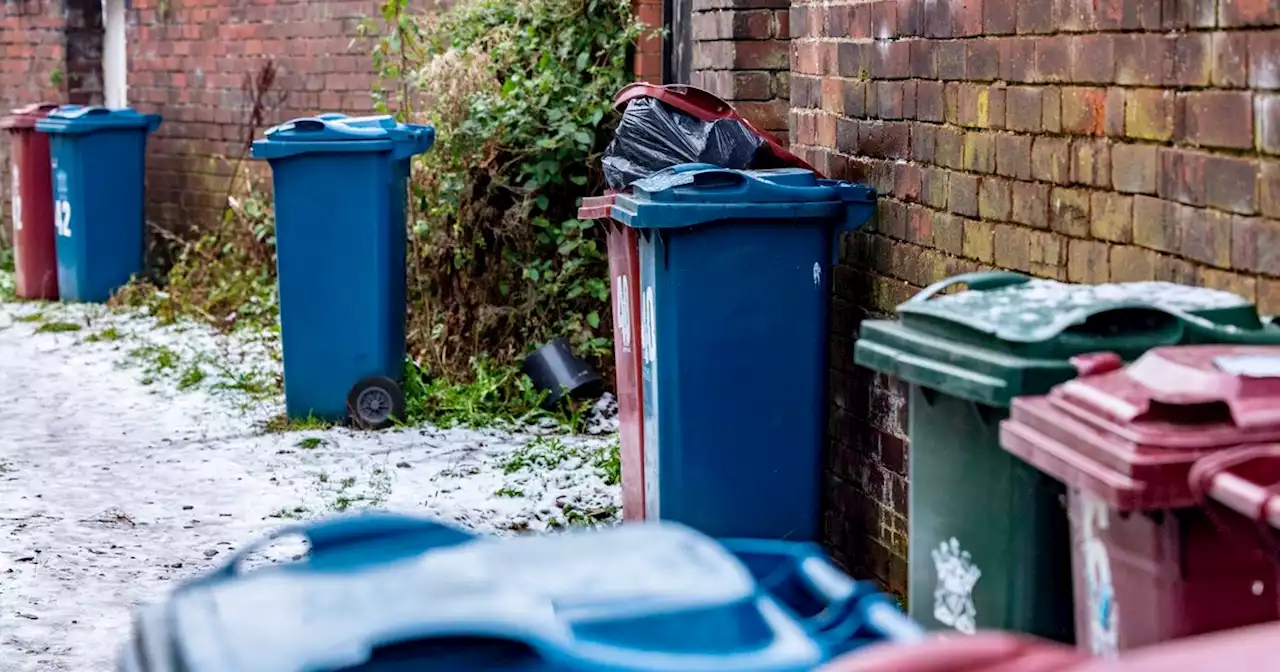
(133,456)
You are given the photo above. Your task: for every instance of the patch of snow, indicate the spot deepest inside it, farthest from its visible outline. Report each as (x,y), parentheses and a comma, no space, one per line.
(115,483)
(1049,306)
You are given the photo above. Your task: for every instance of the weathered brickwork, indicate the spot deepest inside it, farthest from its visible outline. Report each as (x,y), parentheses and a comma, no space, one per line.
(1083,140)
(741,53)
(47,53)
(196,62)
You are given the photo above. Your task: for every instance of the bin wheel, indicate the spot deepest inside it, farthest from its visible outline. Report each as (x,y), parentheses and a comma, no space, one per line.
(375,403)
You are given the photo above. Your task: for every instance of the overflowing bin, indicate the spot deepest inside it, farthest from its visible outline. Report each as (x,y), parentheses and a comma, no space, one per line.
(340,188)
(382,592)
(1149,564)
(35,257)
(98,159)
(735,279)
(989,542)
(666,125)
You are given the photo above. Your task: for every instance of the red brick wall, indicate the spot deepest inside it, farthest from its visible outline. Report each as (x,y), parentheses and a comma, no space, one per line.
(190,61)
(44,48)
(647,60)
(741,52)
(1084,140)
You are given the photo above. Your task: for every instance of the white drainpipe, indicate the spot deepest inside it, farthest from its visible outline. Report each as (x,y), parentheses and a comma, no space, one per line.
(115,59)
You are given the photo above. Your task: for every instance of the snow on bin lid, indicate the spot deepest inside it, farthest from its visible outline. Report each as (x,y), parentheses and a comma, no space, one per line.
(75,119)
(27,115)
(549,590)
(1132,434)
(1038,310)
(339,133)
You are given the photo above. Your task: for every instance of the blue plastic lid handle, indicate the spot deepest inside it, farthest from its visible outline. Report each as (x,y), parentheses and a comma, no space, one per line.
(326,535)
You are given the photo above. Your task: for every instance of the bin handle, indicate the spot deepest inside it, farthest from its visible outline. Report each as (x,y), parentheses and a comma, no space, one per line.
(1208,331)
(847,605)
(979,282)
(850,610)
(327,534)
(1210,479)
(309,125)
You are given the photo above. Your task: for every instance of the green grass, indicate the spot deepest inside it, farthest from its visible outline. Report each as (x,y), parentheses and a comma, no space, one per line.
(509,492)
(156,359)
(191,376)
(495,395)
(33,317)
(546,453)
(108,334)
(290,513)
(283,423)
(310,443)
(57,327)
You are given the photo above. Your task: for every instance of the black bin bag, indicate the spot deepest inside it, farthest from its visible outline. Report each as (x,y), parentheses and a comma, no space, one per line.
(653,136)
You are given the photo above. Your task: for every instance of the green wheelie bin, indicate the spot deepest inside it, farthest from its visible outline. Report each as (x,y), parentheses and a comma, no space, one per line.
(989,541)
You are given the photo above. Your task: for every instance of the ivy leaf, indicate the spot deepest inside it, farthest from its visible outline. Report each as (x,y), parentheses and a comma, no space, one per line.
(593,319)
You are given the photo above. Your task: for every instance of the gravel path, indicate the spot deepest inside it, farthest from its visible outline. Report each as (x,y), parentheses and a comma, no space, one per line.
(114,483)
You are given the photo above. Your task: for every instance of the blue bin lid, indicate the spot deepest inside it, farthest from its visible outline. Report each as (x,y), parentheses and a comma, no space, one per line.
(76,119)
(690,195)
(642,597)
(333,132)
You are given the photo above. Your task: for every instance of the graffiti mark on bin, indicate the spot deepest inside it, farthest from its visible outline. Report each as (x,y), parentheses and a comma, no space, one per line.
(817,274)
(17,199)
(1104,617)
(622,287)
(953,603)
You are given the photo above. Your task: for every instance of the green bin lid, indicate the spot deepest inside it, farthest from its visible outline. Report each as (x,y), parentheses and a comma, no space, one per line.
(1011,335)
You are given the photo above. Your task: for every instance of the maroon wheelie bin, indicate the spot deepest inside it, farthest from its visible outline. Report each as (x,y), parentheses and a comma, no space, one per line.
(1149,563)
(31,193)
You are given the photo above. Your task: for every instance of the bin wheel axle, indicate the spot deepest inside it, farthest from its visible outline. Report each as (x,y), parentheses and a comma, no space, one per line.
(375,403)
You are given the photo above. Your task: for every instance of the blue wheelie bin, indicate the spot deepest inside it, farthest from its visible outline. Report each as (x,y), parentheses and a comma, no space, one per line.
(735,292)
(381,592)
(99,192)
(340,185)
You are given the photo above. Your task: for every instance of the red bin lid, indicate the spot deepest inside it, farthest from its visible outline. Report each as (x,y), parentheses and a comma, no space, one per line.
(1131,435)
(26,116)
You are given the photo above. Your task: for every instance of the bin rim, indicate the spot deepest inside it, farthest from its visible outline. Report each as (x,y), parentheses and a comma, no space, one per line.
(83,119)
(678,198)
(339,133)
(25,117)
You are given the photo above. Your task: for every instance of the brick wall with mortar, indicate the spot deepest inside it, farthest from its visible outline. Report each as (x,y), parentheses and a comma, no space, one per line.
(1082,140)
(741,53)
(48,50)
(189,60)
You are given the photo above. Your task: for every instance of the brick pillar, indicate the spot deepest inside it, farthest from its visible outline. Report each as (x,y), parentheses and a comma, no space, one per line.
(741,52)
(647,64)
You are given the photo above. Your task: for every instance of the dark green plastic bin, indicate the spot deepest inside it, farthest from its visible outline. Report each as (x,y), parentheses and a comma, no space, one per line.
(988,539)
